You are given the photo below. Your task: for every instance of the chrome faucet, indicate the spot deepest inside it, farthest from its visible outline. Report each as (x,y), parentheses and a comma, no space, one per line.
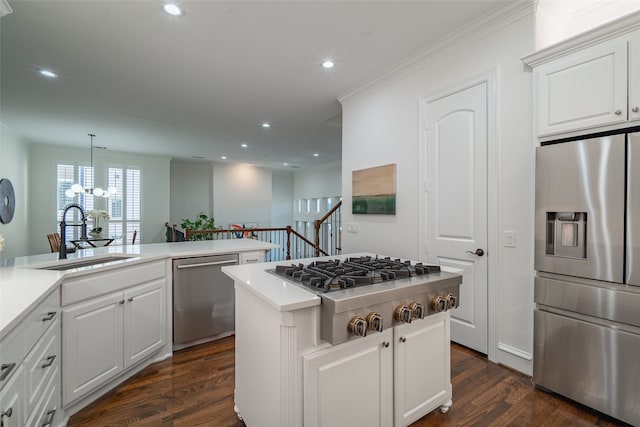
(63,226)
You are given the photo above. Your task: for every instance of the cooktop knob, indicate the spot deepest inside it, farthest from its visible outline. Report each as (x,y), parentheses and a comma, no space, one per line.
(374,320)
(417,310)
(403,314)
(452,301)
(439,304)
(358,326)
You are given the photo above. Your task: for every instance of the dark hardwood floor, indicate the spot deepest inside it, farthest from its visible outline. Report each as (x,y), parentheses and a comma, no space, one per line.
(195,388)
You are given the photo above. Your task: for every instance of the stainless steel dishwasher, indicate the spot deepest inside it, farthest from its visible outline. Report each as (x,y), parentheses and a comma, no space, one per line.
(203,299)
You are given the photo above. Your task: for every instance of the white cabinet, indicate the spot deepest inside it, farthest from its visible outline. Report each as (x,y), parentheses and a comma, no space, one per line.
(634,78)
(422,368)
(391,378)
(92,344)
(144,321)
(589,88)
(252,257)
(350,384)
(30,382)
(106,335)
(583,90)
(11,401)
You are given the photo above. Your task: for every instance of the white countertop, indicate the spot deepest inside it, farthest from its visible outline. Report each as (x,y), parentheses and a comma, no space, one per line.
(279,293)
(23,285)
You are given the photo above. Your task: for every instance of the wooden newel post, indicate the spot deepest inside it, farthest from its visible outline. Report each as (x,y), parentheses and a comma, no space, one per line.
(317,224)
(288,242)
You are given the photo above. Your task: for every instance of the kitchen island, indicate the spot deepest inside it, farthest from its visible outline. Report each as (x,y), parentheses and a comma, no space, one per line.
(289,372)
(112,303)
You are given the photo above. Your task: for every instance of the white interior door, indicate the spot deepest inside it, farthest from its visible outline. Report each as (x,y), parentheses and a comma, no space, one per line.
(455,211)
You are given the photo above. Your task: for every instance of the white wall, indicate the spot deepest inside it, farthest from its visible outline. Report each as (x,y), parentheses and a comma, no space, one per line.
(281,192)
(14,166)
(43,159)
(559,20)
(191,190)
(241,193)
(381,126)
(319,181)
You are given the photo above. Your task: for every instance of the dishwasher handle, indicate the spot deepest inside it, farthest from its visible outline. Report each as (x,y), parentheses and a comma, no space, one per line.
(206,264)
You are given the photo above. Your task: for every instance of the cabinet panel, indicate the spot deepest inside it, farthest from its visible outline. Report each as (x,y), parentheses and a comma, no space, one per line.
(350,384)
(422,380)
(144,321)
(42,317)
(92,344)
(48,412)
(12,351)
(11,402)
(583,90)
(634,77)
(41,364)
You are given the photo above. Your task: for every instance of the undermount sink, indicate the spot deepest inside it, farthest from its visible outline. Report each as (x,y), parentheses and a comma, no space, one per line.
(86,262)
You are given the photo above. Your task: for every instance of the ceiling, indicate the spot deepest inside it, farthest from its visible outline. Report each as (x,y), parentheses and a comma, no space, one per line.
(201,84)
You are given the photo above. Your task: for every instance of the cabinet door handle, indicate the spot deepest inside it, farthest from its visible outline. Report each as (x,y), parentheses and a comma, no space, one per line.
(385,344)
(121,302)
(6,413)
(50,315)
(130,299)
(252,260)
(49,361)
(49,419)
(618,112)
(5,369)
(635,109)
(403,339)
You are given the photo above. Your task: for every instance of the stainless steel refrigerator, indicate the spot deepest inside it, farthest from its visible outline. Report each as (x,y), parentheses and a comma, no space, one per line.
(587,288)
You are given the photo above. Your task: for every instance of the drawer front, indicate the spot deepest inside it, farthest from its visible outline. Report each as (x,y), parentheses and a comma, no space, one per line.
(48,411)
(251,257)
(41,364)
(11,405)
(41,318)
(12,351)
(94,285)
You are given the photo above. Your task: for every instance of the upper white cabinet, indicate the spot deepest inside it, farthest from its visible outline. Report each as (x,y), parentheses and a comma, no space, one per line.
(583,90)
(634,77)
(589,83)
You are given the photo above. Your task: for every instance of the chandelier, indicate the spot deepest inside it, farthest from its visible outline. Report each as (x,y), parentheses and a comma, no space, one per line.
(97,191)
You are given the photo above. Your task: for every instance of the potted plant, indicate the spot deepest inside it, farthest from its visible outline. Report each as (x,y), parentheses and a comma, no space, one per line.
(202,222)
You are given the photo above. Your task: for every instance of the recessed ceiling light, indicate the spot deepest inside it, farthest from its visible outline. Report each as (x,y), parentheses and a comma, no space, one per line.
(48,73)
(244,145)
(286,164)
(328,64)
(266,125)
(223,157)
(315,154)
(172,9)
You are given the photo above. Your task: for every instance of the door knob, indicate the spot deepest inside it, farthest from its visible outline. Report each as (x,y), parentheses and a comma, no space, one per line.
(478,252)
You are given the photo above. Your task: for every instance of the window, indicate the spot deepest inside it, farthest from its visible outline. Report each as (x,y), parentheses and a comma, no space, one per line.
(67,175)
(125,207)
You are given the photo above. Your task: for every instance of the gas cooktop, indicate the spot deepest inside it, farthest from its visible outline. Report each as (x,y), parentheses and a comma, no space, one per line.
(333,275)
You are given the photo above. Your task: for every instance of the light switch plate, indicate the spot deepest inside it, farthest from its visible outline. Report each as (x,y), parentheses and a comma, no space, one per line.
(351,227)
(509,239)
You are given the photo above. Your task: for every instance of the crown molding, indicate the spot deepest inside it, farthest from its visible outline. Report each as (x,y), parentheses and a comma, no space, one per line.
(607,31)
(487,24)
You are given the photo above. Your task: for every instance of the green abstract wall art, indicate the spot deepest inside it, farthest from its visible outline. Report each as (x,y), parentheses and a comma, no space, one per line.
(374,190)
